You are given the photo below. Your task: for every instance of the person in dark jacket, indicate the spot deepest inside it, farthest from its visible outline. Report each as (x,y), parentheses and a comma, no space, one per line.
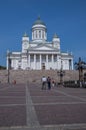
(49,82)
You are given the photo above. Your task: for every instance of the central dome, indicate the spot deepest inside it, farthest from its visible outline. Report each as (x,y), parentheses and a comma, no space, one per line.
(39,31)
(39,21)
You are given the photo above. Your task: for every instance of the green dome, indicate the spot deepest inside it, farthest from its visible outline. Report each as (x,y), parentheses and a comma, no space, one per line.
(39,21)
(25,35)
(55,36)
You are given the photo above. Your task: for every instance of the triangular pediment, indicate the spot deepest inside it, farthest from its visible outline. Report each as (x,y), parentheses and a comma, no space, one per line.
(44,47)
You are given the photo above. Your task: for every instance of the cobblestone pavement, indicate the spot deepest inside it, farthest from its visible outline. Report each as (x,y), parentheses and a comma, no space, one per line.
(27,107)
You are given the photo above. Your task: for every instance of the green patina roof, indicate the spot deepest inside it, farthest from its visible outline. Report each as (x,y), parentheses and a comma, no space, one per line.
(39,21)
(55,36)
(25,35)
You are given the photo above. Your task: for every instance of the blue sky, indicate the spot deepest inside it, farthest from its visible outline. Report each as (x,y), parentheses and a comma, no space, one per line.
(67,18)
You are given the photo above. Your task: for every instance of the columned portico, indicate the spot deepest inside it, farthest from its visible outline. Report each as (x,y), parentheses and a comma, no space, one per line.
(47,61)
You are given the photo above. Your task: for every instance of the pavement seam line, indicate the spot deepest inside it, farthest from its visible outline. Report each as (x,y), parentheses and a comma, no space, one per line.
(30,110)
(75,97)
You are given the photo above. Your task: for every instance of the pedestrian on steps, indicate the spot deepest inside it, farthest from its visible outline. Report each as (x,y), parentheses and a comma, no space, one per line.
(49,82)
(44,80)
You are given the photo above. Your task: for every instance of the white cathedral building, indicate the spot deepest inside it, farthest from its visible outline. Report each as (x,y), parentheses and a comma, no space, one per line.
(39,53)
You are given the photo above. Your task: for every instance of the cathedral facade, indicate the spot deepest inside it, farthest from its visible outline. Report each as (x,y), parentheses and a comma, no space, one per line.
(39,53)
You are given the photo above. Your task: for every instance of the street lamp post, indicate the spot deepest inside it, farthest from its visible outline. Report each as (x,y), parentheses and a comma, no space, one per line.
(27,57)
(61,73)
(8,54)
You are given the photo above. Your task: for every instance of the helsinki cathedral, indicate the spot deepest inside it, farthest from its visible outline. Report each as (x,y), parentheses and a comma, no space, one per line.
(38,53)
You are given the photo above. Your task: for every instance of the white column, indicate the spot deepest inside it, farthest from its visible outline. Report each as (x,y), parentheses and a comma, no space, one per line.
(40,62)
(34,61)
(72,64)
(57,62)
(47,61)
(29,60)
(52,61)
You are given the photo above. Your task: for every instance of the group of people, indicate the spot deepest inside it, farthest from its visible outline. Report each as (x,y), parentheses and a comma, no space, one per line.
(47,82)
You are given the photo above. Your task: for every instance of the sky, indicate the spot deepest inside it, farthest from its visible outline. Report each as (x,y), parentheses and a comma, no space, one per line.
(66,18)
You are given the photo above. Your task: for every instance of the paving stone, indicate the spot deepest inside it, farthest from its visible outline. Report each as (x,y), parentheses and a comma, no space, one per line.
(56,109)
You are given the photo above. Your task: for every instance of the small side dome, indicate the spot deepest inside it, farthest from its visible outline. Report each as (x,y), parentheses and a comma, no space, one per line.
(25,35)
(39,21)
(55,36)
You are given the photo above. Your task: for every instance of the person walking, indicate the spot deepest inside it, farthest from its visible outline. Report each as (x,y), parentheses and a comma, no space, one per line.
(44,80)
(53,82)
(49,82)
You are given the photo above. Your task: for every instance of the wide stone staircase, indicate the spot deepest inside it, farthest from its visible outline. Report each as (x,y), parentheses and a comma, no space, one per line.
(21,76)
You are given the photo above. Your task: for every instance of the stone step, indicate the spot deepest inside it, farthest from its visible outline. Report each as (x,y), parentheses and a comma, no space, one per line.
(21,76)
